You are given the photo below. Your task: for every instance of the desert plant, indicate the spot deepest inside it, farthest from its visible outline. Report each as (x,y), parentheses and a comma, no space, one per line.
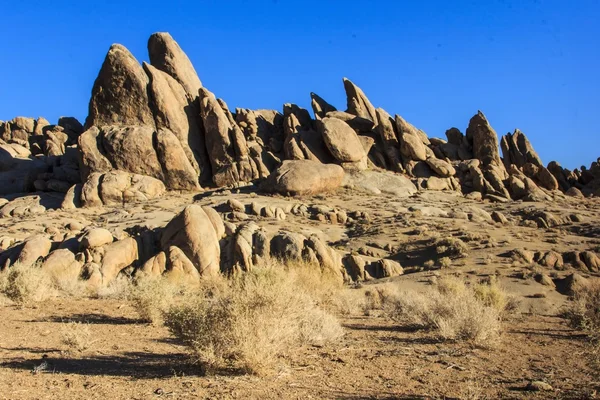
(151,297)
(452,310)
(3,285)
(119,288)
(445,262)
(76,336)
(583,311)
(452,247)
(25,284)
(258,317)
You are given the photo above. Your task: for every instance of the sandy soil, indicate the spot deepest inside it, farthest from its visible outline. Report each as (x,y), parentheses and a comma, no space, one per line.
(376,358)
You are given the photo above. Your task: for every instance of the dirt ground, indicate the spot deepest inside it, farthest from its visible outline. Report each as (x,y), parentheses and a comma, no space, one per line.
(376,358)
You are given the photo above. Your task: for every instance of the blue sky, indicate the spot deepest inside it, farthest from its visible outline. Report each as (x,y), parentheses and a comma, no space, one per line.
(527,64)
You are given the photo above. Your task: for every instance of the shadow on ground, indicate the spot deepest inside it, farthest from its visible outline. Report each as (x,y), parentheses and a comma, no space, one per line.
(92,319)
(135,365)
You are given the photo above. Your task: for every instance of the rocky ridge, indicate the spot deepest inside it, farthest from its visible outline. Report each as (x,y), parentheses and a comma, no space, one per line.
(154,128)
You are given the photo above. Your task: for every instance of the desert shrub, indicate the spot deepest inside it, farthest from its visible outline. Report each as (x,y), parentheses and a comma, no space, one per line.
(453,310)
(256,318)
(375,297)
(24,284)
(583,312)
(452,247)
(493,295)
(3,285)
(445,262)
(76,336)
(118,289)
(152,297)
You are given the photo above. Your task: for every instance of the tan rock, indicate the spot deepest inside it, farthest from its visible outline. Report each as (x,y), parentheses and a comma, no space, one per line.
(193,232)
(341,140)
(303,177)
(119,95)
(166,55)
(96,237)
(358,103)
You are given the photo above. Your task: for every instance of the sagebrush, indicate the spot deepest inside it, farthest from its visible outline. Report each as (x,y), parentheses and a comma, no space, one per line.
(453,310)
(256,318)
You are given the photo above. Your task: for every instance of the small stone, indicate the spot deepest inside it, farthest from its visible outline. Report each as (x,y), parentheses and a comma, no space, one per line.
(538,386)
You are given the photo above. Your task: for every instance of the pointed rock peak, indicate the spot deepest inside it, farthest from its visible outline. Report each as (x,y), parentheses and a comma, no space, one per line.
(166,55)
(320,106)
(115,47)
(358,103)
(119,95)
(485,142)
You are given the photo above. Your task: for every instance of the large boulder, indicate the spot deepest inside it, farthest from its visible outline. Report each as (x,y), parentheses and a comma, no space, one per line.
(119,187)
(91,158)
(387,133)
(377,182)
(137,150)
(193,232)
(131,149)
(304,177)
(517,150)
(341,140)
(320,106)
(178,172)
(166,55)
(34,248)
(358,103)
(217,129)
(485,142)
(412,144)
(96,237)
(172,111)
(118,256)
(120,92)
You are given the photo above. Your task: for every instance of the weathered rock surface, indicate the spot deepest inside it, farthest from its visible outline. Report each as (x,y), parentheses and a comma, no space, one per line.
(341,140)
(120,94)
(304,177)
(194,233)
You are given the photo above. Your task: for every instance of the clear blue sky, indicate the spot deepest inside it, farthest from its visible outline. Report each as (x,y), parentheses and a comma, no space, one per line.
(533,65)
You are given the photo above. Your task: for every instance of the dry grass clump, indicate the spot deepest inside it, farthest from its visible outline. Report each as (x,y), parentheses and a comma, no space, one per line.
(25,284)
(256,318)
(451,247)
(76,336)
(453,310)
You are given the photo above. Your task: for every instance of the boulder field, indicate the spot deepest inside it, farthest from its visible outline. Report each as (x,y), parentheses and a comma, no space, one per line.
(153,128)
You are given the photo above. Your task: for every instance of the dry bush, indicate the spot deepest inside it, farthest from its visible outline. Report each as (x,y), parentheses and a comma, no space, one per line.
(583,312)
(76,336)
(3,285)
(258,317)
(493,295)
(452,310)
(445,262)
(376,296)
(152,297)
(452,247)
(118,289)
(25,284)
